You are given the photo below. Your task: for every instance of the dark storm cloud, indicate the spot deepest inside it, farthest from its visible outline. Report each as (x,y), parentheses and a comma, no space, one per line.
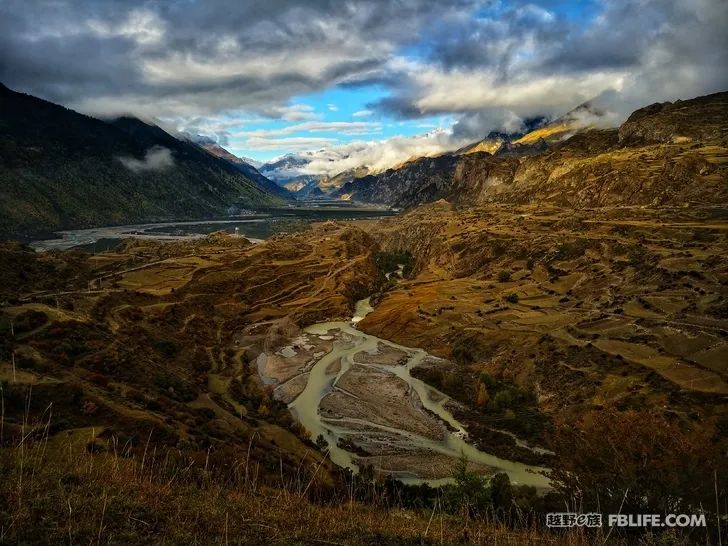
(199,56)
(520,60)
(489,63)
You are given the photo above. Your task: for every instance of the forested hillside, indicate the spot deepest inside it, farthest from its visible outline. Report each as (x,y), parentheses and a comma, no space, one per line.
(61,169)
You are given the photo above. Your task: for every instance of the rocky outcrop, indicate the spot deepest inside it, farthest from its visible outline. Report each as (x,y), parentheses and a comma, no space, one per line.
(700,119)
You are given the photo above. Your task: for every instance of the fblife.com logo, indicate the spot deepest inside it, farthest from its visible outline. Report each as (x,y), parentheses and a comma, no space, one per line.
(572,519)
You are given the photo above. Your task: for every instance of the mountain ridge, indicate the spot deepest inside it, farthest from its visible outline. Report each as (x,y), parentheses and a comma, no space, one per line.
(62,169)
(249,170)
(663,154)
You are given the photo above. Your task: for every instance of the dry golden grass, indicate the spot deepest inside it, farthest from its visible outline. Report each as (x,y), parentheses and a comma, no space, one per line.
(55,491)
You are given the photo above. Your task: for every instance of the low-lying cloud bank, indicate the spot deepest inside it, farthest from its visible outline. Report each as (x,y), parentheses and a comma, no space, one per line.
(157,158)
(604,110)
(380,155)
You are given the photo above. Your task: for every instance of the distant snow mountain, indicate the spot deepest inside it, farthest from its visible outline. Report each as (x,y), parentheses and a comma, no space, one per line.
(286,168)
(250,161)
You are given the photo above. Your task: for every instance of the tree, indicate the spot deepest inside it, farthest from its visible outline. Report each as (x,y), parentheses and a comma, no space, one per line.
(483,396)
(469,494)
(263,410)
(501,492)
(504,276)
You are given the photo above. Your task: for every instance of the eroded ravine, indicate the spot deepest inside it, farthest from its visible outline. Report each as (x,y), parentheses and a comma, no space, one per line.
(355,391)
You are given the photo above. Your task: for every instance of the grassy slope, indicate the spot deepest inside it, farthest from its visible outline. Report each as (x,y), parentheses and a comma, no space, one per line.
(111,503)
(56,491)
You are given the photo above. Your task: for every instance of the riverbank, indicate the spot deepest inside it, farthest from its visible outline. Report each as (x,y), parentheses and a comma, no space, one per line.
(255,226)
(354,394)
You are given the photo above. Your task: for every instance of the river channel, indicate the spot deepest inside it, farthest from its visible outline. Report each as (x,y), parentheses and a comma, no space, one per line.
(355,391)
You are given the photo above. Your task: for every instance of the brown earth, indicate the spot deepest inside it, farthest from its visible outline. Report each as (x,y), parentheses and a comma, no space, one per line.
(160,340)
(568,311)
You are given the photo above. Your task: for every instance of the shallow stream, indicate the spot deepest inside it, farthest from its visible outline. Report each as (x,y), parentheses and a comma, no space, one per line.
(325,374)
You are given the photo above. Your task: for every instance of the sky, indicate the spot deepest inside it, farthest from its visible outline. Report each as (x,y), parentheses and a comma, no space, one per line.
(354,82)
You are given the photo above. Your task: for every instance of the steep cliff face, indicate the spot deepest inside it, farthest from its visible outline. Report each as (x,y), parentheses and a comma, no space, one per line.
(664,154)
(423,180)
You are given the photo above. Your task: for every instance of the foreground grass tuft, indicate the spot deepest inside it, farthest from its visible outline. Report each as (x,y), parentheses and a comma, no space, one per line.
(63,491)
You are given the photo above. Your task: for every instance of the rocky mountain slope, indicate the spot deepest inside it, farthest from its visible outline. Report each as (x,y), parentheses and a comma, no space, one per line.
(250,171)
(663,154)
(62,169)
(587,115)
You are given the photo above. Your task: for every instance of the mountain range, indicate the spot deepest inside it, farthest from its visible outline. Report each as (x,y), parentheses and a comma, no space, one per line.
(249,170)
(668,153)
(533,137)
(61,169)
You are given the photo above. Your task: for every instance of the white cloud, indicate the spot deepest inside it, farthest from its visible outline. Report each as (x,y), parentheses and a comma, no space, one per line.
(341,127)
(157,158)
(382,154)
(295,112)
(291,143)
(521,62)
(141,25)
(486,64)
(438,90)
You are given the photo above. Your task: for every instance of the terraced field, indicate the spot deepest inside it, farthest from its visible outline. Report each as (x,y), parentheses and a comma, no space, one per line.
(160,339)
(540,316)
(625,306)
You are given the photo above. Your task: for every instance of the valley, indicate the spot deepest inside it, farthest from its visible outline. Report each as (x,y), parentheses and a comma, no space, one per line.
(354,390)
(255,226)
(523,317)
(535,317)
(363,273)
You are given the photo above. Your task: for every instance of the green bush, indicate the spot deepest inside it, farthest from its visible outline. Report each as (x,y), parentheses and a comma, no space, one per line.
(389,262)
(469,492)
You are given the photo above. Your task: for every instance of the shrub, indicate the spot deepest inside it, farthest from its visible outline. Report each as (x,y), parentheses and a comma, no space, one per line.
(469,493)
(166,348)
(638,462)
(504,276)
(388,262)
